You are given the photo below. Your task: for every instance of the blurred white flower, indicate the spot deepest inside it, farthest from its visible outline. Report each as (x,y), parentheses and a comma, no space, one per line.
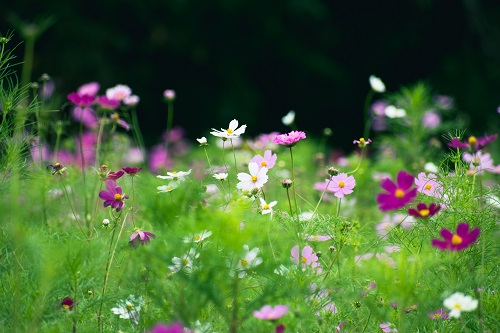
(431,167)
(377,84)
(289,118)
(458,302)
(393,112)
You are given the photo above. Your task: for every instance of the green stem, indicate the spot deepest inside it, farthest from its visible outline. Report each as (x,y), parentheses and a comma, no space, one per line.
(234,156)
(321,198)
(293,184)
(137,132)
(71,205)
(368,120)
(170,118)
(29,52)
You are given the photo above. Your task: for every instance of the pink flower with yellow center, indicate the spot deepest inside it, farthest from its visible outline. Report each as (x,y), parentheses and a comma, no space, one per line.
(341,185)
(398,194)
(458,241)
(428,184)
(424,211)
(113,196)
(268,160)
(269,312)
(305,258)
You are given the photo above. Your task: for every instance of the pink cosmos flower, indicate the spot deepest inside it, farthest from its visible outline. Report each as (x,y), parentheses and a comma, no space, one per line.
(81,100)
(113,196)
(132,171)
(428,185)
(269,312)
(462,239)
(341,185)
(424,211)
(108,104)
(268,161)
(115,118)
(479,162)
(263,141)
(118,92)
(140,237)
(131,100)
(473,142)
(114,175)
(161,328)
(289,139)
(89,89)
(86,116)
(307,258)
(431,119)
(398,195)
(159,159)
(317,238)
(386,260)
(256,179)
(388,328)
(169,94)
(439,314)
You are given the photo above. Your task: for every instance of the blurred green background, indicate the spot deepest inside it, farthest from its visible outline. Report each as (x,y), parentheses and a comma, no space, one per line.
(256,60)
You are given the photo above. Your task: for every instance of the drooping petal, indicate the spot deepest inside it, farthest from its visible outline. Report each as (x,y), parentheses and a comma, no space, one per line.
(405,180)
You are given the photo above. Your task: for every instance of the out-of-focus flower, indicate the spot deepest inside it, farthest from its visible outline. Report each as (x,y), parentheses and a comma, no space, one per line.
(424,211)
(173,328)
(431,119)
(197,237)
(89,89)
(431,167)
(185,263)
(129,308)
(113,196)
(289,118)
(306,258)
(388,328)
(255,179)
(376,84)
(458,302)
(232,132)
(249,261)
(398,195)
(202,141)
(86,116)
(472,142)
(479,162)
(393,112)
(268,160)
(118,92)
(132,171)
(67,303)
(115,118)
(443,101)
(220,176)
(289,139)
(169,94)
(462,239)
(439,314)
(108,104)
(131,100)
(269,312)
(140,237)
(176,175)
(362,143)
(386,259)
(168,188)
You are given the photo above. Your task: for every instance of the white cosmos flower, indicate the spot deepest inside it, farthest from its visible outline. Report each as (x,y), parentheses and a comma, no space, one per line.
(249,261)
(202,141)
(431,167)
(393,112)
(377,84)
(129,308)
(267,208)
(176,175)
(289,118)
(256,179)
(168,188)
(185,262)
(458,302)
(198,237)
(220,176)
(232,132)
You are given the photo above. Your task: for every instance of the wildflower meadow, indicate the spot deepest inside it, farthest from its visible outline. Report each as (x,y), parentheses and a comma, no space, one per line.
(280,232)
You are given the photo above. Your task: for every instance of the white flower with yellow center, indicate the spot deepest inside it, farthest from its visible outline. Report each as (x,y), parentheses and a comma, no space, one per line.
(249,261)
(458,302)
(185,262)
(232,132)
(202,141)
(198,237)
(256,179)
(176,175)
(168,188)
(220,176)
(267,208)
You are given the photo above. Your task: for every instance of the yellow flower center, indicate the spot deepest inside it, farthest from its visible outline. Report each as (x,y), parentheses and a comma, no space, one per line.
(185,262)
(436,316)
(362,141)
(341,184)
(457,306)
(456,240)
(428,186)
(66,306)
(229,131)
(244,262)
(169,188)
(174,172)
(263,163)
(472,140)
(197,237)
(399,193)
(118,197)
(254,179)
(129,306)
(303,259)
(115,116)
(424,212)
(266,206)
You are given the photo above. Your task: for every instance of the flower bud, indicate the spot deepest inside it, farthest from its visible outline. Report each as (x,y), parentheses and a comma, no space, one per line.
(286,183)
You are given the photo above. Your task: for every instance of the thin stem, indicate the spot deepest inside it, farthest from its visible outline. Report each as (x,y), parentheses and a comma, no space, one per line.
(233,327)
(321,198)
(234,155)
(289,202)
(71,205)
(98,146)
(137,132)
(338,207)
(368,120)
(293,183)
(224,162)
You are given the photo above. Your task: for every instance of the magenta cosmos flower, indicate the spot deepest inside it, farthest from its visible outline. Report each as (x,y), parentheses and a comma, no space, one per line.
(341,185)
(268,160)
(472,142)
(462,239)
(398,195)
(140,237)
(289,139)
(174,328)
(269,312)
(113,196)
(67,303)
(423,211)
(132,171)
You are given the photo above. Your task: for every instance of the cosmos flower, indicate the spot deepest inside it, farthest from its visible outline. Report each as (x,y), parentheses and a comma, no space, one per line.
(220,176)
(67,303)
(129,308)
(86,116)
(118,92)
(376,84)
(427,184)
(306,258)
(268,160)
(106,103)
(362,143)
(398,194)
(458,302)
(176,175)
(289,139)
(255,179)
(132,171)
(341,185)
(173,328)
(168,188)
(113,196)
(423,211)
(202,141)
(249,261)
(388,328)
(115,118)
(472,142)
(185,262)
(289,118)
(267,208)
(462,239)
(232,132)
(140,237)
(393,112)
(268,312)
(197,237)
(89,89)
(169,94)
(439,314)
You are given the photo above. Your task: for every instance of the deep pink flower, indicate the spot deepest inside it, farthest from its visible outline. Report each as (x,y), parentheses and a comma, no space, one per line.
(271,313)
(422,211)
(106,103)
(289,139)
(81,100)
(459,241)
(280,328)
(159,159)
(132,171)
(113,196)
(161,328)
(67,303)
(439,314)
(473,142)
(398,195)
(268,161)
(140,237)
(86,116)
(114,175)
(341,185)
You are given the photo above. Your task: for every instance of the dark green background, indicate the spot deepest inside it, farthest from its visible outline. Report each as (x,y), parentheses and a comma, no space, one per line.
(256,60)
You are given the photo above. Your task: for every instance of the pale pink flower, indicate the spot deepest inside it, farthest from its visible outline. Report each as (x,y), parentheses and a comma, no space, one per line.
(427,184)
(86,116)
(90,89)
(131,100)
(118,92)
(479,162)
(431,119)
(341,185)
(268,160)
(386,260)
(307,258)
(271,313)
